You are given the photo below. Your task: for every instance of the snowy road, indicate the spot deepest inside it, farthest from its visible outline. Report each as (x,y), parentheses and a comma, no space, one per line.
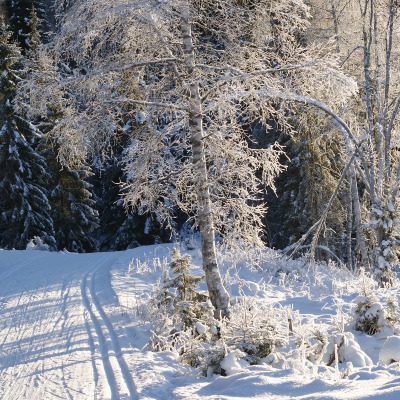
(56,340)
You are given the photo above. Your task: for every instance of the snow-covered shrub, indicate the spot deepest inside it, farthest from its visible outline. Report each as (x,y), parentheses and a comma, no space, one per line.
(205,355)
(183,322)
(372,316)
(37,244)
(250,336)
(369,315)
(390,351)
(343,348)
(256,329)
(392,311)
(313,345)
(233,362)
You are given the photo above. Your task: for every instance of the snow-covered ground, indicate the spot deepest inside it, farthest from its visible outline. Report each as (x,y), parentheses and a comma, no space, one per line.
(74,327)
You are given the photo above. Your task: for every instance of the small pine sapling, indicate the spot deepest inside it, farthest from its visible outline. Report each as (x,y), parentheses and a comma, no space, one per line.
(182,313)
(372,316)
(189,303)
(368,315)
(184,282)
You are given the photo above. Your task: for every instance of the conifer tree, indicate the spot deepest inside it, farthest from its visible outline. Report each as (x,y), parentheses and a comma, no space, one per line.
(20,12)
(73,207)
(118,230)
(70,193)
(24,206)
(74,214)
(184,282)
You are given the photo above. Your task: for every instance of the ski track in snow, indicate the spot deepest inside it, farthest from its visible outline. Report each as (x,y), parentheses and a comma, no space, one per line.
(56,341)
(115,367)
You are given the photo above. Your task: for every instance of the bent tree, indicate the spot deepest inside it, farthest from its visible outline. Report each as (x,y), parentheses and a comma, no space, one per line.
(367,37)
(187,77)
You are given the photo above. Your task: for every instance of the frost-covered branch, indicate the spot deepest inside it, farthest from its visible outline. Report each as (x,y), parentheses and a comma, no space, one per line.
(163,105)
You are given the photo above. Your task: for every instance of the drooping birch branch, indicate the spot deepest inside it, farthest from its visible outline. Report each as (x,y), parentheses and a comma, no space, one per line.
(319,224)
(147,103)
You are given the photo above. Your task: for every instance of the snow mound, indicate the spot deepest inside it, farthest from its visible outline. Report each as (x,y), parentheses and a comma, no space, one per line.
(232,363)
(348,351)
(390,351)
(37,244)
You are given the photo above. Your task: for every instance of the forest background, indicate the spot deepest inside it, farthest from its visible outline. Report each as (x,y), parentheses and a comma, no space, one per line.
(319,91)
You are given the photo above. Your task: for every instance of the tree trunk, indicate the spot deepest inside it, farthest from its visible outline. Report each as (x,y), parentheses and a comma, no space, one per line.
(358,221)
(335,25)
(349,247)
(218,295)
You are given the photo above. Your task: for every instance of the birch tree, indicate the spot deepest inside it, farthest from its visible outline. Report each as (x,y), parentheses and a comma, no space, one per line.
(191,73)
(367,39)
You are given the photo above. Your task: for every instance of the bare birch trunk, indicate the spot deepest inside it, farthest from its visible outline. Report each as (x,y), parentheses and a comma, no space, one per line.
(218,295)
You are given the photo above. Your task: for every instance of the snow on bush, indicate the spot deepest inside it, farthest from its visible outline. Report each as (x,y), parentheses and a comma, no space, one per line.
(37,244)
(261,331)
(390,351)
(372,316)
(233,362)
(369,315)
(343,348)
(200,328)
(183,322)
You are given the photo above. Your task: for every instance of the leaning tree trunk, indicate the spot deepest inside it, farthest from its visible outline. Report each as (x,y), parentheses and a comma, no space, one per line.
(218,295)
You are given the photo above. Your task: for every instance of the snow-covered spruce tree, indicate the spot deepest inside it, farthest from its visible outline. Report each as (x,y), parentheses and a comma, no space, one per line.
(197,69)
(20,13)
(74,214)
(367,37)
(24,206)
(72,206)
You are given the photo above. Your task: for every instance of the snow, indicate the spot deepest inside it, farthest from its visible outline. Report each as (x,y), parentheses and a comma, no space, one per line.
(200,328)
(390,207)
(73,326)
(230,364)
(350,352)
(390,351)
